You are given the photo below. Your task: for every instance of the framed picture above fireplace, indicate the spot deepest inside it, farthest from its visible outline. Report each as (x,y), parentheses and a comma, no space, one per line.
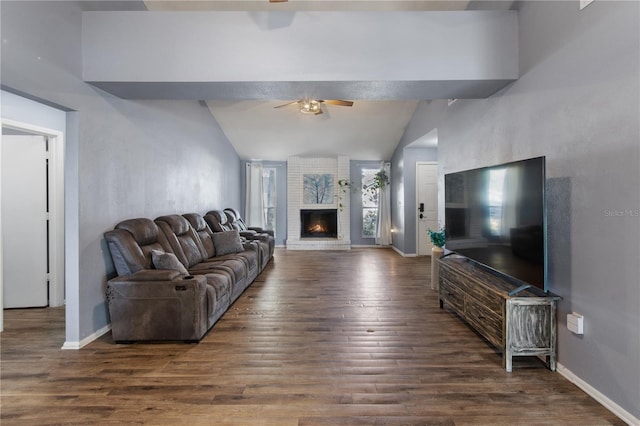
(317,189)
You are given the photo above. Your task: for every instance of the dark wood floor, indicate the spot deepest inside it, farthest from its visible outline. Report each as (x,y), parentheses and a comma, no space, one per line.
(321,338)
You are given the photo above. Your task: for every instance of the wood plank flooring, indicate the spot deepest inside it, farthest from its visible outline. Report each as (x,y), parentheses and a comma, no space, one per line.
(321,338)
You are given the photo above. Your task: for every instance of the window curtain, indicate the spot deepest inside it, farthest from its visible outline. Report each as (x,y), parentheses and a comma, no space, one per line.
(383,229)
(254,207)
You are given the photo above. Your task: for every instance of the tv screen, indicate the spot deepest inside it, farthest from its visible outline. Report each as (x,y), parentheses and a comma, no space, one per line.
(495,216)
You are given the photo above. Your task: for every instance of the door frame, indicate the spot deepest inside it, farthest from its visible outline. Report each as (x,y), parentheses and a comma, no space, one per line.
(56,211)
(417,218)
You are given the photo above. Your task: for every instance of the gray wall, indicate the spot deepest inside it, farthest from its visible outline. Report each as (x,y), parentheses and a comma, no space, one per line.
(576,102)
(125,158)
(403,183)
(411,157)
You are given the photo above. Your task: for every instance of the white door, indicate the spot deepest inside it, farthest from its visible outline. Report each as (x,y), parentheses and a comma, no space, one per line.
(24,221)
(427,205)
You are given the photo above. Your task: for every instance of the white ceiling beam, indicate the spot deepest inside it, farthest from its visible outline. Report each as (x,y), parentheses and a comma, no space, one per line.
(379,50)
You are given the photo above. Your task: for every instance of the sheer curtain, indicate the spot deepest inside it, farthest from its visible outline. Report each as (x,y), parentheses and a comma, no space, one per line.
(254,207)
(383,230)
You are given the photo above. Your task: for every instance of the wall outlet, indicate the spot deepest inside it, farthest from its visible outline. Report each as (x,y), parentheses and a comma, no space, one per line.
(585,3)
(575,323)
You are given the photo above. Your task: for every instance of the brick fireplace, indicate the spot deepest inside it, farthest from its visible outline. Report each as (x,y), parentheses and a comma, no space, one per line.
(327,225)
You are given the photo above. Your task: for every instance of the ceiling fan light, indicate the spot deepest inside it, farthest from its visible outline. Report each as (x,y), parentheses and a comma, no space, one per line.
(310,107)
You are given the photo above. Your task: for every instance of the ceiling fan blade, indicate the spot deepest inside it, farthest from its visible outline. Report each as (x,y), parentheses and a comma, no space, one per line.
(287,104)
(338,102)
(278,1)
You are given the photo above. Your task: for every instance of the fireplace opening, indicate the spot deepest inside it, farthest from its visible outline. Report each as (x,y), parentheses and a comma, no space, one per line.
(319,223)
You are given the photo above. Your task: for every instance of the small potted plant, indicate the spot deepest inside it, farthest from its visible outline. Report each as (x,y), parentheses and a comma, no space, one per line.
(437,239)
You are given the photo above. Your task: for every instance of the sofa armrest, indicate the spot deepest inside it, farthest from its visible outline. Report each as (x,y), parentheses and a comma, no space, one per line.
(261,230)
(152,275)
(143,306)
(250,246)
(256,237)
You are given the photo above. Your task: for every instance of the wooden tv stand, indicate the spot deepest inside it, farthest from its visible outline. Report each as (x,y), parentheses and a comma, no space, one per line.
(518,321)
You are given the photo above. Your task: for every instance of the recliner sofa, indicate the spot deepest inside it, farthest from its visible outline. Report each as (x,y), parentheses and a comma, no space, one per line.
(218,221)
(176,277)
(236,222)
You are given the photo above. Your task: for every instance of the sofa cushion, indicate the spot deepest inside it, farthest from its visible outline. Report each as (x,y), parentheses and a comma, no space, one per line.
(143,230)
(204,232)
(131,243)
(179,225)
(227,242)
(217,221)
(196,221)
(162,260)
(184,241)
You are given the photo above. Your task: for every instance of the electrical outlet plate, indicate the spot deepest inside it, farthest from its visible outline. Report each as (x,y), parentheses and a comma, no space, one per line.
(575,323)
(585,3)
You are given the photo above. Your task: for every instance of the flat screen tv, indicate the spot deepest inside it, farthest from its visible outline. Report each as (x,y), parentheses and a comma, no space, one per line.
(495,216)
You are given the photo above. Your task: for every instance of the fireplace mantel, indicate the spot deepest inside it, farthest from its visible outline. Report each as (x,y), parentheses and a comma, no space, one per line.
(297,167)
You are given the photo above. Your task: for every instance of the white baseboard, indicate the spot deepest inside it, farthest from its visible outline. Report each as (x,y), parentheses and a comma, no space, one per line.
(598,396)
(404,254)
(84,342)
(377,246)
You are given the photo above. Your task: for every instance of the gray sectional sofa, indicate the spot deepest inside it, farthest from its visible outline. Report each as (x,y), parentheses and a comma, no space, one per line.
(177,276)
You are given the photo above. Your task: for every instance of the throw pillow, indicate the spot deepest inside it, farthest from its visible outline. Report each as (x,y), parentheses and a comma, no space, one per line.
(162,260)
(227,242)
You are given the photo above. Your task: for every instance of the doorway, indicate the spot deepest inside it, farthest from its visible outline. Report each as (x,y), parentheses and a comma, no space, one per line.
(24,220)
(10,233)
(427,203)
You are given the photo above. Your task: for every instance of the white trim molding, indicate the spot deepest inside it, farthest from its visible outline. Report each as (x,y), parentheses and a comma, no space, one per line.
(598,396)
(402,253)
(84,342)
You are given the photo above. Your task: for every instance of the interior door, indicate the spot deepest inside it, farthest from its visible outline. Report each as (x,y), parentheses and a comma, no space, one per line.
(427,204)
(24,221)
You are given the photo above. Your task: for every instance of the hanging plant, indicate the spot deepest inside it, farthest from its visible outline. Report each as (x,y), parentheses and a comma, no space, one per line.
(344,188)
(380,180)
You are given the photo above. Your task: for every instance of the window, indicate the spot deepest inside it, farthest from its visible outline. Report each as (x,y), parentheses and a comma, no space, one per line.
(269,187)
(369,204)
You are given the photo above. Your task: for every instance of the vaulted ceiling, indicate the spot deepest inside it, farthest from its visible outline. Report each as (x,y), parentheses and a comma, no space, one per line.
(369,130)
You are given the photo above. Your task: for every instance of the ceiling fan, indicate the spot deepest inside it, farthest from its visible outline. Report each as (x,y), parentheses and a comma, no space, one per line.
(313,106)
